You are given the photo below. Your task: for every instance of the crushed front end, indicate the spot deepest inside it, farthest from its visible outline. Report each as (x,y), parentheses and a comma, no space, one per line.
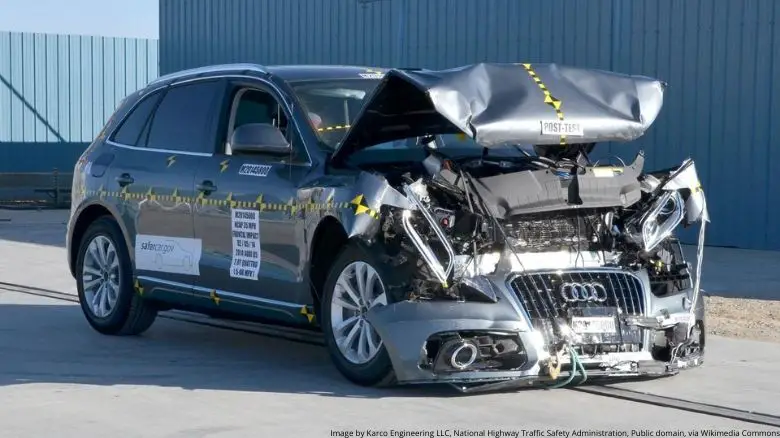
(541,273)
(527,266)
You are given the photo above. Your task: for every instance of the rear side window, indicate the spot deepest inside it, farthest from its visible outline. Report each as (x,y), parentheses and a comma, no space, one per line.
(184,120)
(130,132)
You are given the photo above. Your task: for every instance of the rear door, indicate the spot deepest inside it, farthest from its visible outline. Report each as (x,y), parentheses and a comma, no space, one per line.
(158,148)
(249,220)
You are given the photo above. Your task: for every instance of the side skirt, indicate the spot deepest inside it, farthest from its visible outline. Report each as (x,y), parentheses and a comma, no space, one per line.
(219,302)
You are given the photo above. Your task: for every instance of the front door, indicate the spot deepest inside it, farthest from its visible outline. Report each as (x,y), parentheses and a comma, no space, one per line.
(248,218)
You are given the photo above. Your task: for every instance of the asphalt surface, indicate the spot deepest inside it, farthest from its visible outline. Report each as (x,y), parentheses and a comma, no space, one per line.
(60,378)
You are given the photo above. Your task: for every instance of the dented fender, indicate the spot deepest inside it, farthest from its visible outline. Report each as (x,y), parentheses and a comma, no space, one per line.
(359,199)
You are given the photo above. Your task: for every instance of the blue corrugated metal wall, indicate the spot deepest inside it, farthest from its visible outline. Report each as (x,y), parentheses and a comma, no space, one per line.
(720,58)
(57,91)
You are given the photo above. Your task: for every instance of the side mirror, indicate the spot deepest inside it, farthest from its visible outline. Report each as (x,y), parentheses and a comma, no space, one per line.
(259,138)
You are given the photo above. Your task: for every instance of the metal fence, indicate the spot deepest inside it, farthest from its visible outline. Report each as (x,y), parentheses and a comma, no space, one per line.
(56,92)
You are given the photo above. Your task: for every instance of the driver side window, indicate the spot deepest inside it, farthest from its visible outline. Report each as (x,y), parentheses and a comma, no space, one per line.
(251,105)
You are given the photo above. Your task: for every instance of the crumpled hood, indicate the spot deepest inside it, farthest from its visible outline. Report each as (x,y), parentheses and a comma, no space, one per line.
(497,104)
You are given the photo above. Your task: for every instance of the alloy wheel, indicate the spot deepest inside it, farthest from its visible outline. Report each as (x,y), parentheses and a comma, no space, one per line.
(357,289)
(100,276)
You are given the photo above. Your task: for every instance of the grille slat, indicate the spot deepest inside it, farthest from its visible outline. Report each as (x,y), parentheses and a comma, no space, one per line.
(547,297)
(532,297)
(614,292)
(632,294)
(624,291)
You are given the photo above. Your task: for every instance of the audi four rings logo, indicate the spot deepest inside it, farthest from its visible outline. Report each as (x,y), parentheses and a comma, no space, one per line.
(584,292)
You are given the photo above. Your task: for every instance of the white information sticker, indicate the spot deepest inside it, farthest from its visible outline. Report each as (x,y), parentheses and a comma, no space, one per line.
(254,170)
(595,324)
(177,255)
(559,127)
(245,225)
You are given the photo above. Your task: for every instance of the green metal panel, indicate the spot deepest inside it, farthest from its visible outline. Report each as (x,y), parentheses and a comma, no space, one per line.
(57,91)
(720,58)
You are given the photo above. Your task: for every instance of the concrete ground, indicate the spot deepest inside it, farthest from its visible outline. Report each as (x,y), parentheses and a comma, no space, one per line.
(60,378)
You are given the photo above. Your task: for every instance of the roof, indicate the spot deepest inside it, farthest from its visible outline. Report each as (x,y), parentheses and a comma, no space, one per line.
(311,72)
(290,73)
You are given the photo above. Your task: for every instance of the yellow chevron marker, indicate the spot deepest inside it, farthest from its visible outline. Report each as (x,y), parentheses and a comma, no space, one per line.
(223,165)
(359,206)
(175,196)
(229,200)
(214,297)
(138,287)
(259,202)
(150,193)
(308,314)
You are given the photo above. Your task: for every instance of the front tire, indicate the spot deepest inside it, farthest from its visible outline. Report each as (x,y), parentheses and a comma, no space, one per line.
(104,278)
(355,284)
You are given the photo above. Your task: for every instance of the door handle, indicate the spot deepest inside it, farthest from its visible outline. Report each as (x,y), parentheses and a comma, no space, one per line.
(206,187)
(125,179)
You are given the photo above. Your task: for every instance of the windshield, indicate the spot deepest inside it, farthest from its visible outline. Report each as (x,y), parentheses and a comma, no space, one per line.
(332,105)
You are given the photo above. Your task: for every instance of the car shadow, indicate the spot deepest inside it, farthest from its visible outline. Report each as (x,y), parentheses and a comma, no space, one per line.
(54,344)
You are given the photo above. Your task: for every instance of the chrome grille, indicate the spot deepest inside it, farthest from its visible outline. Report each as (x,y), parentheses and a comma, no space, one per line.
(540,292)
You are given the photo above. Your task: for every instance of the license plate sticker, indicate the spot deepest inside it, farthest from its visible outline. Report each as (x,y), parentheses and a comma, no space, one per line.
(557,127)
(594,324)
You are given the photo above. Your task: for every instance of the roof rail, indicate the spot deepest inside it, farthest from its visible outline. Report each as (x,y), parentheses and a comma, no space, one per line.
(218,68)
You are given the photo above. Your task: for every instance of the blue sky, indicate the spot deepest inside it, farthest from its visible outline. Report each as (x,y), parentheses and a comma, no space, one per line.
(120,18)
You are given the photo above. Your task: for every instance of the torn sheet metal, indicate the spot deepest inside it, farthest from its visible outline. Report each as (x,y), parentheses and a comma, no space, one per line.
(686,178)
(371,192)
(507,103)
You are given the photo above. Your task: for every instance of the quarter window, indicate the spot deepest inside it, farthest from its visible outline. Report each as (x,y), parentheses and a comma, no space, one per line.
(130,132)
(184,120)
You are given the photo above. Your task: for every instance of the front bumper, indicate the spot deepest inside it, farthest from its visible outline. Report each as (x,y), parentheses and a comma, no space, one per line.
(406,328)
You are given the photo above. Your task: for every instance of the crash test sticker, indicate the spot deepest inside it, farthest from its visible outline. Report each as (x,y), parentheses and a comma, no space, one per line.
(560,127)
(245,226)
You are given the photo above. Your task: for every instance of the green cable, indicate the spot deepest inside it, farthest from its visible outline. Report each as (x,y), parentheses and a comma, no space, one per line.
(582,368)
(576,368)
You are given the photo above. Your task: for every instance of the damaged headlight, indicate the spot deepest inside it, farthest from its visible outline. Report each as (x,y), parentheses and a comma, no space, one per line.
(679,198)
(658,221)
(663,217)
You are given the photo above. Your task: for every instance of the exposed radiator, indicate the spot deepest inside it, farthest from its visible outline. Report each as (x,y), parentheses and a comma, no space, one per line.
(556,231)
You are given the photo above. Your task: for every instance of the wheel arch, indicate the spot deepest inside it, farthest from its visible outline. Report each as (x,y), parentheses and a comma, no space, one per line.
(328,239)
(83,219)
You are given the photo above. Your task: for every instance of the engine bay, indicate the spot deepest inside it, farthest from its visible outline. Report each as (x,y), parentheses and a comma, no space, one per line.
(564,213)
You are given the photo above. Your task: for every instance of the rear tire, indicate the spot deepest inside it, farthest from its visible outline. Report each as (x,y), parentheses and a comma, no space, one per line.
(356,349)
(104,277)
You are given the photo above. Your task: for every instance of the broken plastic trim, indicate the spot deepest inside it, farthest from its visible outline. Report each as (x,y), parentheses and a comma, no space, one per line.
(427,253)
